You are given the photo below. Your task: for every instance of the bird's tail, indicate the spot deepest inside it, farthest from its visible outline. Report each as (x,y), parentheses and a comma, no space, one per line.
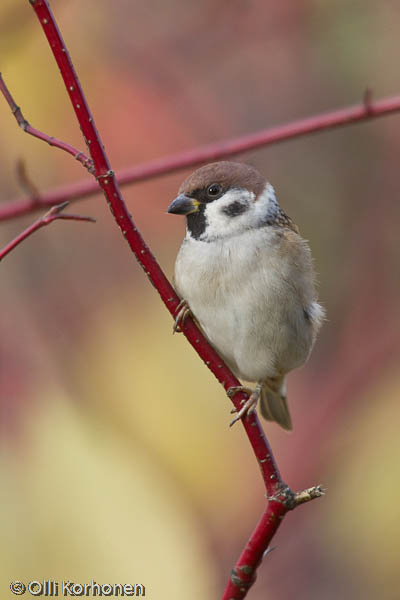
(273,404)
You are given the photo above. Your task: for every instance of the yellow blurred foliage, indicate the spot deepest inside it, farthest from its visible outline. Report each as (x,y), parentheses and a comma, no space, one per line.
(80,507)
(155,391)
(364,531)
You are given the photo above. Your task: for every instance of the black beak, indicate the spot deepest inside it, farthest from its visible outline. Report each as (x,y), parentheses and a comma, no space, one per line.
(183,205)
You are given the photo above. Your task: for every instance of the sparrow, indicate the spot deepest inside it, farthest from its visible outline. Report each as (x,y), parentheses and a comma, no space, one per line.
(246,275)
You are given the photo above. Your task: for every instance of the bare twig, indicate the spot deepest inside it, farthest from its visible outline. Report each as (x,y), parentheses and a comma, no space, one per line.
(309,494)
(54,214)
(243,574)
(52,141)
(364,111)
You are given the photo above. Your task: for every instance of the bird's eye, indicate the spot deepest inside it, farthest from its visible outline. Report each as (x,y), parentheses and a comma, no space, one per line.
(214,190)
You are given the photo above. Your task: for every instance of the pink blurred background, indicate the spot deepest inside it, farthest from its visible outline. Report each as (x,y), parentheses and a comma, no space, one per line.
(116,460)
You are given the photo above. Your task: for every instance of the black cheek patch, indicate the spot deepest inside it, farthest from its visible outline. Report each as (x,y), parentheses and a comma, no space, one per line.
(196,222)
(235,209)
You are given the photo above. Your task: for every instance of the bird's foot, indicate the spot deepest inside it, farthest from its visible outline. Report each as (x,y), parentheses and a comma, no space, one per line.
(182,314)
(238,388)
(249,405)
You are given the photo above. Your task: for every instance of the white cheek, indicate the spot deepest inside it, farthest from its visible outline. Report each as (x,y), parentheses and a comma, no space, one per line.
(219,223)
(267,205)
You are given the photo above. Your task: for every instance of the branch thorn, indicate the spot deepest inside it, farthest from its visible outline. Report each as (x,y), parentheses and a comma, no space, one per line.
(268,551)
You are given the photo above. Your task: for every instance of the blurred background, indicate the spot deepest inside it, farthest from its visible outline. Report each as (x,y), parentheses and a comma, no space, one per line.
(117,463)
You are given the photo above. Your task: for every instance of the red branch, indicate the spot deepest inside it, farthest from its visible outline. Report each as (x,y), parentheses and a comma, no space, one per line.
(54,214)
(364,111)
(280,497)
(52,141)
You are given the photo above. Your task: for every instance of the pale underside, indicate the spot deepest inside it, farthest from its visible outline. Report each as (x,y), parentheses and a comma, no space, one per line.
(253,295)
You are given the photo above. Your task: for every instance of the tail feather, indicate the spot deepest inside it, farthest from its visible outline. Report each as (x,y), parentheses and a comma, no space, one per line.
(273,404)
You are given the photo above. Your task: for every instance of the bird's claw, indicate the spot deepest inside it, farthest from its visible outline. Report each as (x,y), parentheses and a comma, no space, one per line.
(249,405)
(230,392)
(182,314)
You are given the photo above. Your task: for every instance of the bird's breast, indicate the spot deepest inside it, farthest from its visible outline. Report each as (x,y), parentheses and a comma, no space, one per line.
(240,291)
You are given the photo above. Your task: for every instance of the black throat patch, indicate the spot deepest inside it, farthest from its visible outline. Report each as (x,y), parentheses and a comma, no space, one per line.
(197,222)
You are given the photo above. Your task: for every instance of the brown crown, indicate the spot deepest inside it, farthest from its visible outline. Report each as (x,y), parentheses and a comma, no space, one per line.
(227,174)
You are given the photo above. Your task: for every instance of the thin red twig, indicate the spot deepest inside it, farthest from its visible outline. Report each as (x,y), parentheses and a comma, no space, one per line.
(54,214)
(280,497)
(364,111)
(52,141)
(243,574)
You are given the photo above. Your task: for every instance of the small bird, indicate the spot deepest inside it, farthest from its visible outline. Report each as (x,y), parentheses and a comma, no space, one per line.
(246,276)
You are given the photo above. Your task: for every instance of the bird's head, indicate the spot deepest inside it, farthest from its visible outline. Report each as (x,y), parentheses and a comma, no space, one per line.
(223,199)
